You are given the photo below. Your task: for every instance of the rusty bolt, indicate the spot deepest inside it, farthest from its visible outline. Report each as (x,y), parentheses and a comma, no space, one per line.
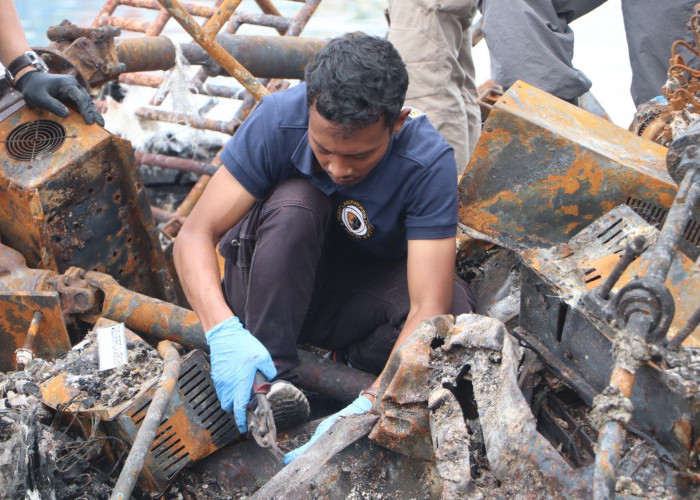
(488,128)
(66,280)
(81,299)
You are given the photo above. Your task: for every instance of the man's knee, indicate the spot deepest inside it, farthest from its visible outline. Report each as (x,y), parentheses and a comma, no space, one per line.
(297,193)
(463,298)
(294,210)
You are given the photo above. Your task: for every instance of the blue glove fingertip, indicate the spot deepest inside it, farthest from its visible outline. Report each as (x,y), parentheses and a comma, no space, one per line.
(364,403)
(240,417)
(289,457)
(267,367)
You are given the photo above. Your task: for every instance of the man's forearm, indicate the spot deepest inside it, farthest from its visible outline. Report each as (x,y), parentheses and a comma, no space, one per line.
(13,42)
(198,269)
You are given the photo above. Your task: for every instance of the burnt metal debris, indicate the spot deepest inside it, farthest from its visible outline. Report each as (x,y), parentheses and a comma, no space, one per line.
(578,377)
(660,121)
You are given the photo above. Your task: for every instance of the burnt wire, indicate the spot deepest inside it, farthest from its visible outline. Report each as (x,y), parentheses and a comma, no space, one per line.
(74,452)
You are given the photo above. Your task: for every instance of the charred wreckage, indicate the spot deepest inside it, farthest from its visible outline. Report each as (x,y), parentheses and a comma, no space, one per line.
(578,377)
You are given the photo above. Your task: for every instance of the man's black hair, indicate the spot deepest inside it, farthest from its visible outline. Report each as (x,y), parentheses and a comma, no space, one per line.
(356,80)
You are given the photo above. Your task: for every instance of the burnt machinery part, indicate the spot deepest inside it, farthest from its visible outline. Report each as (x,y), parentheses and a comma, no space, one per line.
(71,196)
(647,296)
(580,335)
(684,153)
(645,305)
(543,169)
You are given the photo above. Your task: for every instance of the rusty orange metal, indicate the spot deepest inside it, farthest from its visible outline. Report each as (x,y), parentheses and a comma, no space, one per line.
(17,310)
(403,388)
(70,196)
(544,169)
(87,53)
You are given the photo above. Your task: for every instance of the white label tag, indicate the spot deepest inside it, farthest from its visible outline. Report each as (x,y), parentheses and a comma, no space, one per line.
(111,347)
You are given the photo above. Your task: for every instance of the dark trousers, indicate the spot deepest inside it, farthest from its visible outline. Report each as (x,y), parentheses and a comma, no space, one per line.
(279,281)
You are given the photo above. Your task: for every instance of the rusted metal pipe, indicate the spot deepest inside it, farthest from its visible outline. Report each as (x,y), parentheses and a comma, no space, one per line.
(161,215)
(147,431)
(205,37)
(186,206)
(147,315)
(269,8)
(191,8)
(327,377)
(221,14)
(174,163)
(281,24)
(678,216)
(141,79)
(25,354)
(612,434)
(185,119)
(16,276)
(633,250)
(150,53)
(685,332)
(264,57)
(302,17)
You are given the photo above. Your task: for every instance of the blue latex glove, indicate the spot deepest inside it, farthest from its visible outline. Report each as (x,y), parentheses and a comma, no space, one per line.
(235,357)
(357,407)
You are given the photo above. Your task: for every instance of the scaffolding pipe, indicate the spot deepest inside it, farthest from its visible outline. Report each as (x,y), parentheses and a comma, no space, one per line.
(175,163)
(147,431)
(206,38)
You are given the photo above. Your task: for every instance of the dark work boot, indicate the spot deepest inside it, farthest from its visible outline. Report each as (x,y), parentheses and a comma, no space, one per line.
(289,405)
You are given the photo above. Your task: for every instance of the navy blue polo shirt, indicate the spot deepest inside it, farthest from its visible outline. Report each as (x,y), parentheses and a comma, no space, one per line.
(410,194)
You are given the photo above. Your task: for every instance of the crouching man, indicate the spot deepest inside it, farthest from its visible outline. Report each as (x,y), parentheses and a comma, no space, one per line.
(336,212)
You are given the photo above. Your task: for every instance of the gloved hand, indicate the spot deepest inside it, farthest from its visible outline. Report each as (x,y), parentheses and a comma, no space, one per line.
(235,357)
(359,406)
(45,90)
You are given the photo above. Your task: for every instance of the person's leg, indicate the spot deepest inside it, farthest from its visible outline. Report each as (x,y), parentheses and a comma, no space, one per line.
(469,90)
(530,40)
(363,308)
(430,36)
(272,257)
(651,27)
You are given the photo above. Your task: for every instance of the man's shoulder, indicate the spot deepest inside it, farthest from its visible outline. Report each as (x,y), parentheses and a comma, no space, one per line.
(419,141)
(288,108)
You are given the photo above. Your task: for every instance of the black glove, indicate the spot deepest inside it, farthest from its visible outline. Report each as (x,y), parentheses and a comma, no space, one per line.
(43,89)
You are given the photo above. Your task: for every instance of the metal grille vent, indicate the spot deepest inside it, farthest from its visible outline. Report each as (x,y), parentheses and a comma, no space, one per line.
(656,215)
(32,139)
(200,394)
(172,449)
